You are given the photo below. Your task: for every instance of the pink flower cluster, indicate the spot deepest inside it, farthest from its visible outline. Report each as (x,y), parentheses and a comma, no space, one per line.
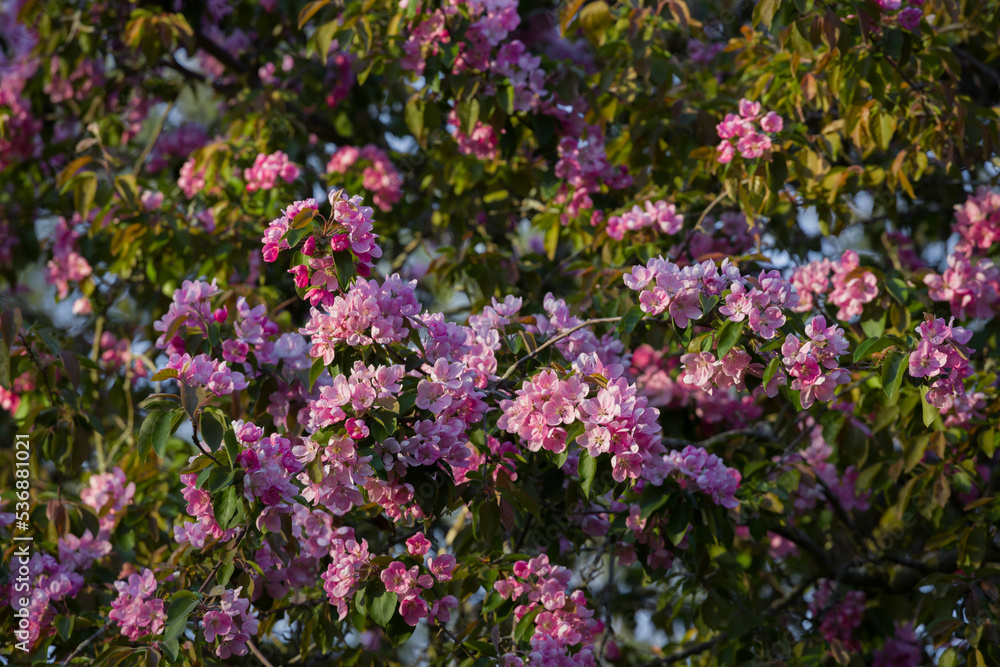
(269,465)
(135,609)
(199,506)
(558,320)
(368,312)
(233,624)
(650,532)
(340,77)
(448,389)
(971,285)
(190,310)
(761,305)
(977,221)
(902,650)
(853,286)
(839,619)
(81,78)
(266,169)
(203,371)
(354,232)
(49,580)
(545,404)
(661,214)
(66,265)
(492,21)
(703,371)
(664,287)
(829,480)
(425,38)
(738,132)
(705,472)
(344,473)
(21,141)
(366,387)
(191,182)
(615,420)
(274,236)
(732,234)
(525,74)
(942,353)
(619,422)
(908,18)
(178,142)
(379,176)
(971,290)
(349,565)
(583,165)
(348,229)
(410,585)
(564,620)
(481,143)
(814,364)
(108,494)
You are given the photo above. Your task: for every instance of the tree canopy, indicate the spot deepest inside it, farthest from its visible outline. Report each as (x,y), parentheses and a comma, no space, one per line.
(493,333)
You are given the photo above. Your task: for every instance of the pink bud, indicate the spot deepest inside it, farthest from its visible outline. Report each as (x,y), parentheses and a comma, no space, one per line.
(309,247)
(221,314)
(301,274)
(356,429)
(340,242)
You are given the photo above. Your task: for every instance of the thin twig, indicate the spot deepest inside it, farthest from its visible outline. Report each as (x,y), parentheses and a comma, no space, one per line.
(556,339)
(260,656)
(85,644)
(137,168)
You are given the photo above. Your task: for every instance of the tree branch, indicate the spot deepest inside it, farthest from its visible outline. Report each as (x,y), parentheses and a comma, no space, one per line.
(556,339)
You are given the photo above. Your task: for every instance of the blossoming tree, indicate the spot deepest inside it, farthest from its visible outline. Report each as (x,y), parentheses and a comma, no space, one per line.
(485,333)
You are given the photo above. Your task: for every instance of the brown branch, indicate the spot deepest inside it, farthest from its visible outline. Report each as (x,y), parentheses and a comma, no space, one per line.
(556,339)
(86,643)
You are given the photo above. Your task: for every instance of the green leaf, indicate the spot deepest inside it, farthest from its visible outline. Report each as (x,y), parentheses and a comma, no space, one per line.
(729,335)
(526,626)
(113,656)
(586,468)
(224,504)
(772,368)
(317,369)
(172,648)
(310,11)
(414,116)
(165,374)
(154,433)
(383,607)
(987,442)
(177,615)
(552,240)
(899,290)
(871,346)
(892,373)
(232,446)
(10,325)
(628,323)
(345,268)
(575,430)
(211,430)
(930,413)
(489,519)
(763,13)
(294,236)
